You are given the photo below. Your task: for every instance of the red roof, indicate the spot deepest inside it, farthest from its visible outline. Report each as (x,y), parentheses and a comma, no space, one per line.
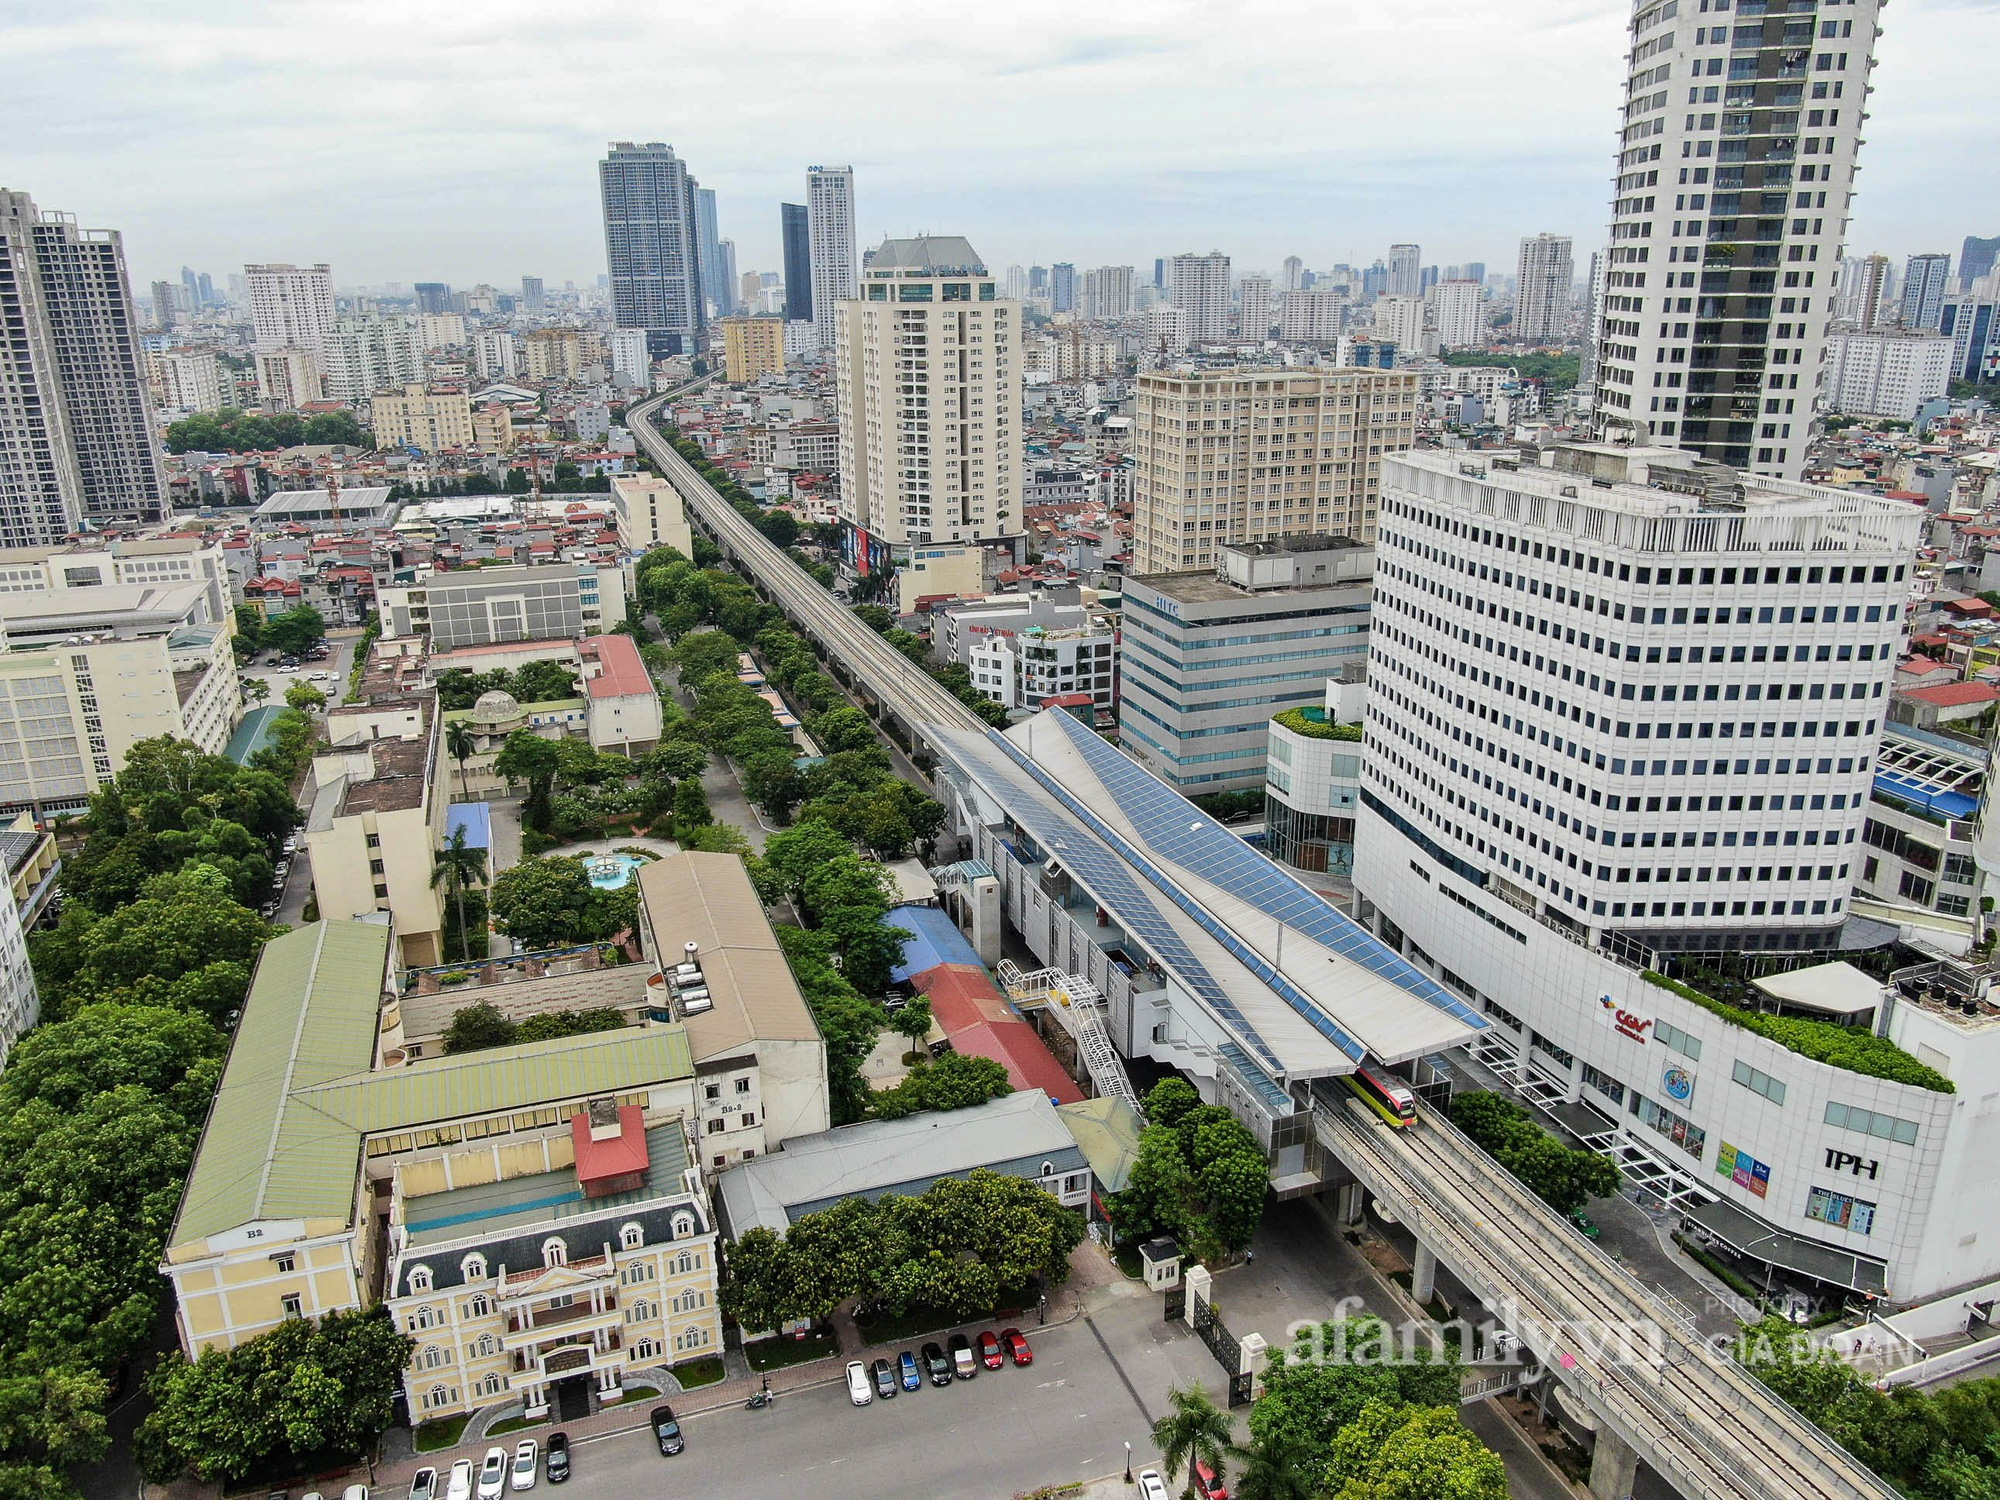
(1923,666)
(1955,694)
(623,673)
(978,1022)
(620,1156)
(961,996)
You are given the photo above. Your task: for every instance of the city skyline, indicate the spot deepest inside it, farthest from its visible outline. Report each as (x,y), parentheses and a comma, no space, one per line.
(1453,162)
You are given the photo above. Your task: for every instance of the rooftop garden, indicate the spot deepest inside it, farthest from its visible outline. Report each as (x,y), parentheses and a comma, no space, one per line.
(1846,1047)
(1314,724)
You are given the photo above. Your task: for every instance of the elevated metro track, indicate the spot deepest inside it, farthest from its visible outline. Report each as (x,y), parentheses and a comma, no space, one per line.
(1697,1417)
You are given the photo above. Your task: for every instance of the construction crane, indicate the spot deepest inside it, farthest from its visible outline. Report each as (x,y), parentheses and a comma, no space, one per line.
(333,495)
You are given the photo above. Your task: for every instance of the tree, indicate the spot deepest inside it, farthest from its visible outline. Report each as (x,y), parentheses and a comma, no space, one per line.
(459,745)
(478,1026)
(301,1391)
(954,1081)
(1393,1452)
(704,654)
(1234,1180)
(1564,1178)
(304,696)
(1193,1429)
(913,1022)
(459,864)
(336,428)
(296,631)
(690,807)
(1331,1374)
(257,688)
(549,902)
(1280,1467)
(526,756)
(847,1021)
(1200,1175)
(876,617)
(543,682)
(249,631)
(173,1055)
(1158,1197)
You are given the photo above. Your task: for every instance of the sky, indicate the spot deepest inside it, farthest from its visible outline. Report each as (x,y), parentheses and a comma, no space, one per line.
(458,142)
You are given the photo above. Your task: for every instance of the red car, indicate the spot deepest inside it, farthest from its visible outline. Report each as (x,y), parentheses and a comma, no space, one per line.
(989,1350)
(1016,1346)
(1206,1485)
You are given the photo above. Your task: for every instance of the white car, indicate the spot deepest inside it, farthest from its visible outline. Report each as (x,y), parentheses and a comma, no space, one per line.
(527,1458)
(459,1485)
(1151,1486)
(493,1474)
(859,1391)
(355,1492)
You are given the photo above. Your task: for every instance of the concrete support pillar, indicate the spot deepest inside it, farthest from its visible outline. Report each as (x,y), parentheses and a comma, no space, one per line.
(1614,1467)
(1353,1198)
(1423,1273)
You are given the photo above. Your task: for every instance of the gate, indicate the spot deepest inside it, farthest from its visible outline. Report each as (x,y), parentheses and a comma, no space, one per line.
(1227,1349)
(1176,1302)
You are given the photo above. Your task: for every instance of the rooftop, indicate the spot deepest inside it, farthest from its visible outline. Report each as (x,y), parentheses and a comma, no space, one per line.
(398,782)
(1303,990)
(518,995)
(938,254)
(623,673)
(489,1208)
(879,1157)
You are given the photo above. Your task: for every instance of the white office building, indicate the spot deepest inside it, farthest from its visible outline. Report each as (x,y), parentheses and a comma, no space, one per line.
(836,255)
(928,377)
(1460,310)
(1732,202)
(186,380)
(1107,292)
(1199,286)
(1312,317)
(1542,285)
(1887,373)
(1400,320)
(1556,801)
(631,363)
(1405,271)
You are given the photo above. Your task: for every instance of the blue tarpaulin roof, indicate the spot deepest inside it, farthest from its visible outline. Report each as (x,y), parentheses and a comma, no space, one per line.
(934,939)
(476,818)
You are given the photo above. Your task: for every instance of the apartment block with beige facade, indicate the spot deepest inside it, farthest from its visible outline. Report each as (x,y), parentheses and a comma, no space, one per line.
(529,1214)
(752,347)
(650,514)
(1229,456)
(377,820)
(417,417)
(493,428)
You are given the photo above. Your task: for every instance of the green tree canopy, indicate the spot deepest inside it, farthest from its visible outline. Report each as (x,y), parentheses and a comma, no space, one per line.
(1564,1178)
(954,1081)
(1396,1452)
(1200,1176)
(296,631)
(549,902)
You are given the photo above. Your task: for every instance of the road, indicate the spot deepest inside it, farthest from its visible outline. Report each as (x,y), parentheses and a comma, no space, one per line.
(298,880)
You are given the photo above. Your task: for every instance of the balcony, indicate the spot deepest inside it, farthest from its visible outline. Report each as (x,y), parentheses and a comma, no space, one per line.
(532,1368)
(523,1283)
(578,1314)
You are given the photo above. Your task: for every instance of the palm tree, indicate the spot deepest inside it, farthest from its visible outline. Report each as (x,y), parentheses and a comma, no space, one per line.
(1277,1466)
(458,865)
(458,744)
(1196,1428)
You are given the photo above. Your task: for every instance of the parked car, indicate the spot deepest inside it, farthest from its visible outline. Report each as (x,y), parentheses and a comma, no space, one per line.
(459,1485)
(1151,1486)
(423,1485)
(963,1365)
(667,1430)
(936,1365)
(355,1492)
(527,1464)
(989,1350)
(1207,1484)
(493,1474)
(1584,1224)
(858,1390)
(1016,1346)
(885,1379)
(558,1464)
(906,1364)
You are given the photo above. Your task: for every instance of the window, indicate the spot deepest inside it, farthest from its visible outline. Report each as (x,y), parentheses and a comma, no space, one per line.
(631,1237)
(742,1085)
(1885,1127)
(490,1384)
(554,1253)
(1690,1137)
(1758,1083)
(645,1349)
(293,1305)
(434,1356)
(484,1346)
(473,1268)
(437,1396)
(1680,1041)
(1841,1211)
(684,1225)
(426,1317)
(420,1278)
(711,1091)
(479,1307)
(284,1263)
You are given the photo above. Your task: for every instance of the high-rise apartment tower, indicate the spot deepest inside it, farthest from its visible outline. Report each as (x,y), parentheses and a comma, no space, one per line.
(796,229)
(836,258)
(1542,287)
(652,244)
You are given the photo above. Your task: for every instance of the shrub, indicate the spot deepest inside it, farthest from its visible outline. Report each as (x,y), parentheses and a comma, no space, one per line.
(1303,721)
(1844,1047)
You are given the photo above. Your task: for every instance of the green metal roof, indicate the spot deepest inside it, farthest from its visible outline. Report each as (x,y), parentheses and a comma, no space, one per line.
(283,1138)
(1107,1132)
(310,1016)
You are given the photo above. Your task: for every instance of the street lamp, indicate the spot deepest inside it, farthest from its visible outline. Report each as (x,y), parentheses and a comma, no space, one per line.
(1128,1463)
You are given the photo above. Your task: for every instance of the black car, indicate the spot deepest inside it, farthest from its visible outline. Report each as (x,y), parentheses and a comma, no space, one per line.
(558,1457)
(667,1430)
(884,1376)
(963,1362)
(936,1365)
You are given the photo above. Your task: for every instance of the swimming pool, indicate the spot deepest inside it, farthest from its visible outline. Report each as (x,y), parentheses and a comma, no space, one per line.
(610,871)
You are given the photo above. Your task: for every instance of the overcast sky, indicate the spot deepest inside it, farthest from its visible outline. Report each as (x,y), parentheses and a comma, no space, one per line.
(458,142)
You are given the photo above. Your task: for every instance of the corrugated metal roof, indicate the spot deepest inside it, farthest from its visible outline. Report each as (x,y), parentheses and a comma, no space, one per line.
(310,1017)
(284,1137)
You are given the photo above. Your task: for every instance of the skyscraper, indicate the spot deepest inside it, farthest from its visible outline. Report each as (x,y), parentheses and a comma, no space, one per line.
(1542,287)
(796,230)
(1726,229)
(652,244)
(1926,280)
(290,306)
(1593,330)
(166,305)
(1864,298)
(719,294)
(1253,298)
(533,298)
(1160,272)
(1062,287)
(835,256)
(1107,291)
(1475,270)
(76,422)
(1460,307)
(433,297)
(1975,260)
(725,255)
(930,448)
(1199,286)
(1295,270)
(1405,275)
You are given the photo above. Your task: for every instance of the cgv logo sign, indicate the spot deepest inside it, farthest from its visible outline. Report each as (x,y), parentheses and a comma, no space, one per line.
(1624,1022)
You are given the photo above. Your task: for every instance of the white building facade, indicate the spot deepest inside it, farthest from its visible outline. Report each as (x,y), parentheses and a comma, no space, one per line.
(1199,287)
(836,255)
(1542,285)
(1884,373)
